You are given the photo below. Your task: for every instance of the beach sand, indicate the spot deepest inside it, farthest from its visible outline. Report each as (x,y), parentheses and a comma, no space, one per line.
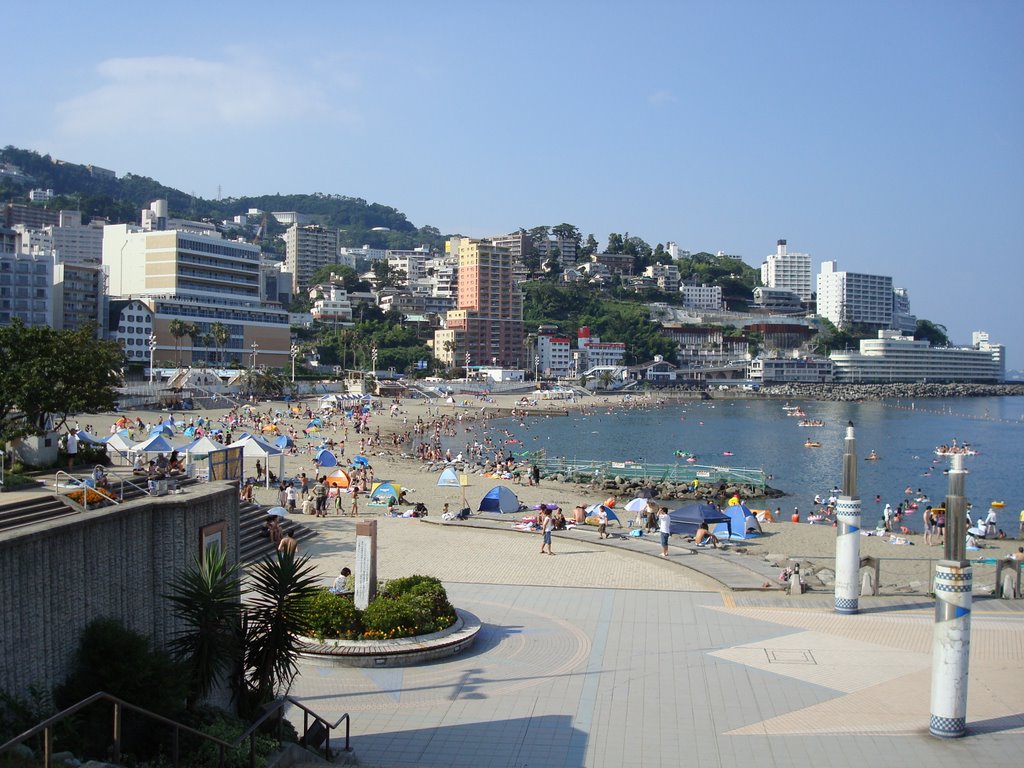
(905,568)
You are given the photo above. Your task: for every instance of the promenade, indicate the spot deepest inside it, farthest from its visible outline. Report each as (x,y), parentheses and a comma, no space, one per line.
(607,656)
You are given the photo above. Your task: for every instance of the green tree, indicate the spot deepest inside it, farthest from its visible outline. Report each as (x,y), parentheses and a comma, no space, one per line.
(275,617)
(615,243)
(933,332)
(206,599)
(221,336)
(46,375)
(178,329)
(264,383)
(588,249)
(387,276)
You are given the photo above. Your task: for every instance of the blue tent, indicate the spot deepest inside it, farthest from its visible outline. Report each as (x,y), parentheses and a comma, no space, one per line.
(87,439)
(155,444)
(449,478)
(284,441)
(593,509)
(688,518)
(162,429)
(736,528)
(383,491)
(325,458)
(499,499)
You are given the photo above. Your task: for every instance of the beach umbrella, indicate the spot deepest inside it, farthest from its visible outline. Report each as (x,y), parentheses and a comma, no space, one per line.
(278,511)
(270,427)
(639,504)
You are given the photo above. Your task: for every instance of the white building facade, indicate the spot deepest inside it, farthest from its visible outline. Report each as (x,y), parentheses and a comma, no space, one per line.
(895,358)
(788,271)
(846,298)
(702,296)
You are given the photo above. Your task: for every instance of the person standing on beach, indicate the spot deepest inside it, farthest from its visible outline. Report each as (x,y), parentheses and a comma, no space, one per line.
(928,526)
(664,529)
(547,525)
(355,501)
(72,448)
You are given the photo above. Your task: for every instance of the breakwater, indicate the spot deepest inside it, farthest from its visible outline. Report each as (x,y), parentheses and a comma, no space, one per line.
(850,393)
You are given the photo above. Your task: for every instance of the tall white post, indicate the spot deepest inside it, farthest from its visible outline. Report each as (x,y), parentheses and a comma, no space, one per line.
(951,641)
(366,563)
(847,590)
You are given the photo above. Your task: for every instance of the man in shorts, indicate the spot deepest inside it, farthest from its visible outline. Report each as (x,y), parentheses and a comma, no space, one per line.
(602,522)
(664,529)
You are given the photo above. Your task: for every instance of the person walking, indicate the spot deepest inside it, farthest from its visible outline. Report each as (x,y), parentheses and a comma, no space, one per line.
(664,529)
(547,525)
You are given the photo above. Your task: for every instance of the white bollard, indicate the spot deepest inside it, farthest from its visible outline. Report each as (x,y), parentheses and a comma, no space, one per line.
(847,596)
(951,646)
(867,584)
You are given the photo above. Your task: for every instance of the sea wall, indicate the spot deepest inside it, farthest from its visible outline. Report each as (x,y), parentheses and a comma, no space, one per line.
(59,575)
(858,392)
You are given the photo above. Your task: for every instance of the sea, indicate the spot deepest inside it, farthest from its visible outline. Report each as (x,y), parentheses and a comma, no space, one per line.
(758,433)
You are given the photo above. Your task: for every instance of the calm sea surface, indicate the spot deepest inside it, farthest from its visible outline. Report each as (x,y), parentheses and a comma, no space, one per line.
(759,434)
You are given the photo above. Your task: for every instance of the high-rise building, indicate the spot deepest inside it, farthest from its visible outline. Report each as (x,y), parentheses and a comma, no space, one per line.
(846,298)
(487,323)
(788,271)
(307,248)
(26,283)
(200,279)
(79,296)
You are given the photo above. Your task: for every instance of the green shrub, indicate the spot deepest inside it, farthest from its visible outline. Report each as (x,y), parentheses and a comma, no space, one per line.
(397,587)
(228,728)
(332,615)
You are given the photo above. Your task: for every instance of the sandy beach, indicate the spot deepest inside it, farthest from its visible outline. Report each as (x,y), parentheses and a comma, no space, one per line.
(905,567)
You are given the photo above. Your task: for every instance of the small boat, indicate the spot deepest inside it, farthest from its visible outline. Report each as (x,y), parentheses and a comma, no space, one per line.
(871,457)
(812,444)
(795,412)
(727,453)
(811,423)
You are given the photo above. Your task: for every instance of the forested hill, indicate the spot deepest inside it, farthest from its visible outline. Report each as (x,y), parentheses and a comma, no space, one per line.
(121,199)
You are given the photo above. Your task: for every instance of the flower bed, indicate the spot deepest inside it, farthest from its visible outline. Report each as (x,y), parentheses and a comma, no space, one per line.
(406,607)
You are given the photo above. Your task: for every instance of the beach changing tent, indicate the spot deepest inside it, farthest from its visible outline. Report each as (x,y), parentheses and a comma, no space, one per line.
(284,441)
(737,527)
(688,518)
(499,499)
(593,510)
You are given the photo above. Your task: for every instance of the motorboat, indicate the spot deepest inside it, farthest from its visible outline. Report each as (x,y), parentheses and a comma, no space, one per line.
(812,444)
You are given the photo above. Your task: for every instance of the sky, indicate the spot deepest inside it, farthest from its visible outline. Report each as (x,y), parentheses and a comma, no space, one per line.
(888,136)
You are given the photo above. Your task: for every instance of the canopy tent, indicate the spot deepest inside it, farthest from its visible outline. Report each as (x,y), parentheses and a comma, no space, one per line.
(153,444)
(737,526)
(383,492)
(500,499)
(687,519)
(199,449)
(254,448)
(339,478)
(325,458)
(119,444)
(87,439)
(593,510)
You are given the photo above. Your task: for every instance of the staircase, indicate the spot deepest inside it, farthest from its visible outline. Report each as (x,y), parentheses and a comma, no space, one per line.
(45,507)
(253,545)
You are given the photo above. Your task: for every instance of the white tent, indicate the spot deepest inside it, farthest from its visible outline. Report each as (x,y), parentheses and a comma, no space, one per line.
(254,448)
(118,445)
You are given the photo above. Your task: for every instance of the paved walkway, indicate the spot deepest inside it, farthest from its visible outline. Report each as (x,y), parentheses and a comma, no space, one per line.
(601,656)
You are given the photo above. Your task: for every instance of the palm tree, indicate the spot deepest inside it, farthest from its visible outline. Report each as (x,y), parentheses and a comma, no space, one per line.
(606,379)
(192,331)
(206,600)
(221,336)
(276,616)
(177,328)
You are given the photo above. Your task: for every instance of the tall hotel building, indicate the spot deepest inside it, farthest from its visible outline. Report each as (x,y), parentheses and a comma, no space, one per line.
(845,298)
(196,277)
(788,272)
(487,323)
(307,248)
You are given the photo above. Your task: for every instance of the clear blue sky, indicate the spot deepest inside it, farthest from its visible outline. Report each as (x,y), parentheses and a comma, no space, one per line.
(887,135)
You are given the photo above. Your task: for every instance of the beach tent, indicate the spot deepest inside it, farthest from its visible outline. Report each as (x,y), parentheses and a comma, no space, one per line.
(254,448)
(499,499)
(325,458)
(270,428)
(118,444)
(383,491)
(449,478)
(162,429)
(360,461)
(199,449)
(339,478)
(593,510)
(284,441)
(687,519)
(737,528)
(86,439)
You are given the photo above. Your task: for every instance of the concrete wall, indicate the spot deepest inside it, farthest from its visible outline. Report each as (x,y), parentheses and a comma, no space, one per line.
(57,576)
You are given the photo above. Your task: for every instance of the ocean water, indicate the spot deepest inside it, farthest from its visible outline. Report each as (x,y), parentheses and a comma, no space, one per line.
(759,434)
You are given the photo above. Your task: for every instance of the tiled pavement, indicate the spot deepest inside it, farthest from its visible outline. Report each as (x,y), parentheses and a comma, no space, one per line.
(607,666)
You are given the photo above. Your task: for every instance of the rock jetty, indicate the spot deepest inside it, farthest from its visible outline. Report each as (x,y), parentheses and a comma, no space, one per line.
(861,392)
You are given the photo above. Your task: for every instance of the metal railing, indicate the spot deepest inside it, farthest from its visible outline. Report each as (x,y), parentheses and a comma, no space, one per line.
(3,476)
(119,705)
(675,473)
(73,484)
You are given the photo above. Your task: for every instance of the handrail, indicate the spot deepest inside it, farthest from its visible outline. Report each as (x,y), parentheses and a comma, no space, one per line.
(46,728)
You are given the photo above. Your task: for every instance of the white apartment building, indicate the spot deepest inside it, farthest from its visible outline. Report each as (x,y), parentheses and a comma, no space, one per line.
(74,242)
(895,358)
(307,249)
(41,195)
(26,285)
(554,356)
(666,275)
(845,298)
(788,271)
(330,304)
(902,320)
(701,296)
(130,324)
(791,370)
(412,262)
(348,256)
(597,352)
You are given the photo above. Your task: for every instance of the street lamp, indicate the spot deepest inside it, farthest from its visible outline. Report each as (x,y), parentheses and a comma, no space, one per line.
(255,349)
(152,355)
(295,352)
(373,357)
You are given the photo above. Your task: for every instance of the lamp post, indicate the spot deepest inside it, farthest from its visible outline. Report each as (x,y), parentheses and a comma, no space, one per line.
(255,349)
(152,355)
(294,352)
(373,358)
